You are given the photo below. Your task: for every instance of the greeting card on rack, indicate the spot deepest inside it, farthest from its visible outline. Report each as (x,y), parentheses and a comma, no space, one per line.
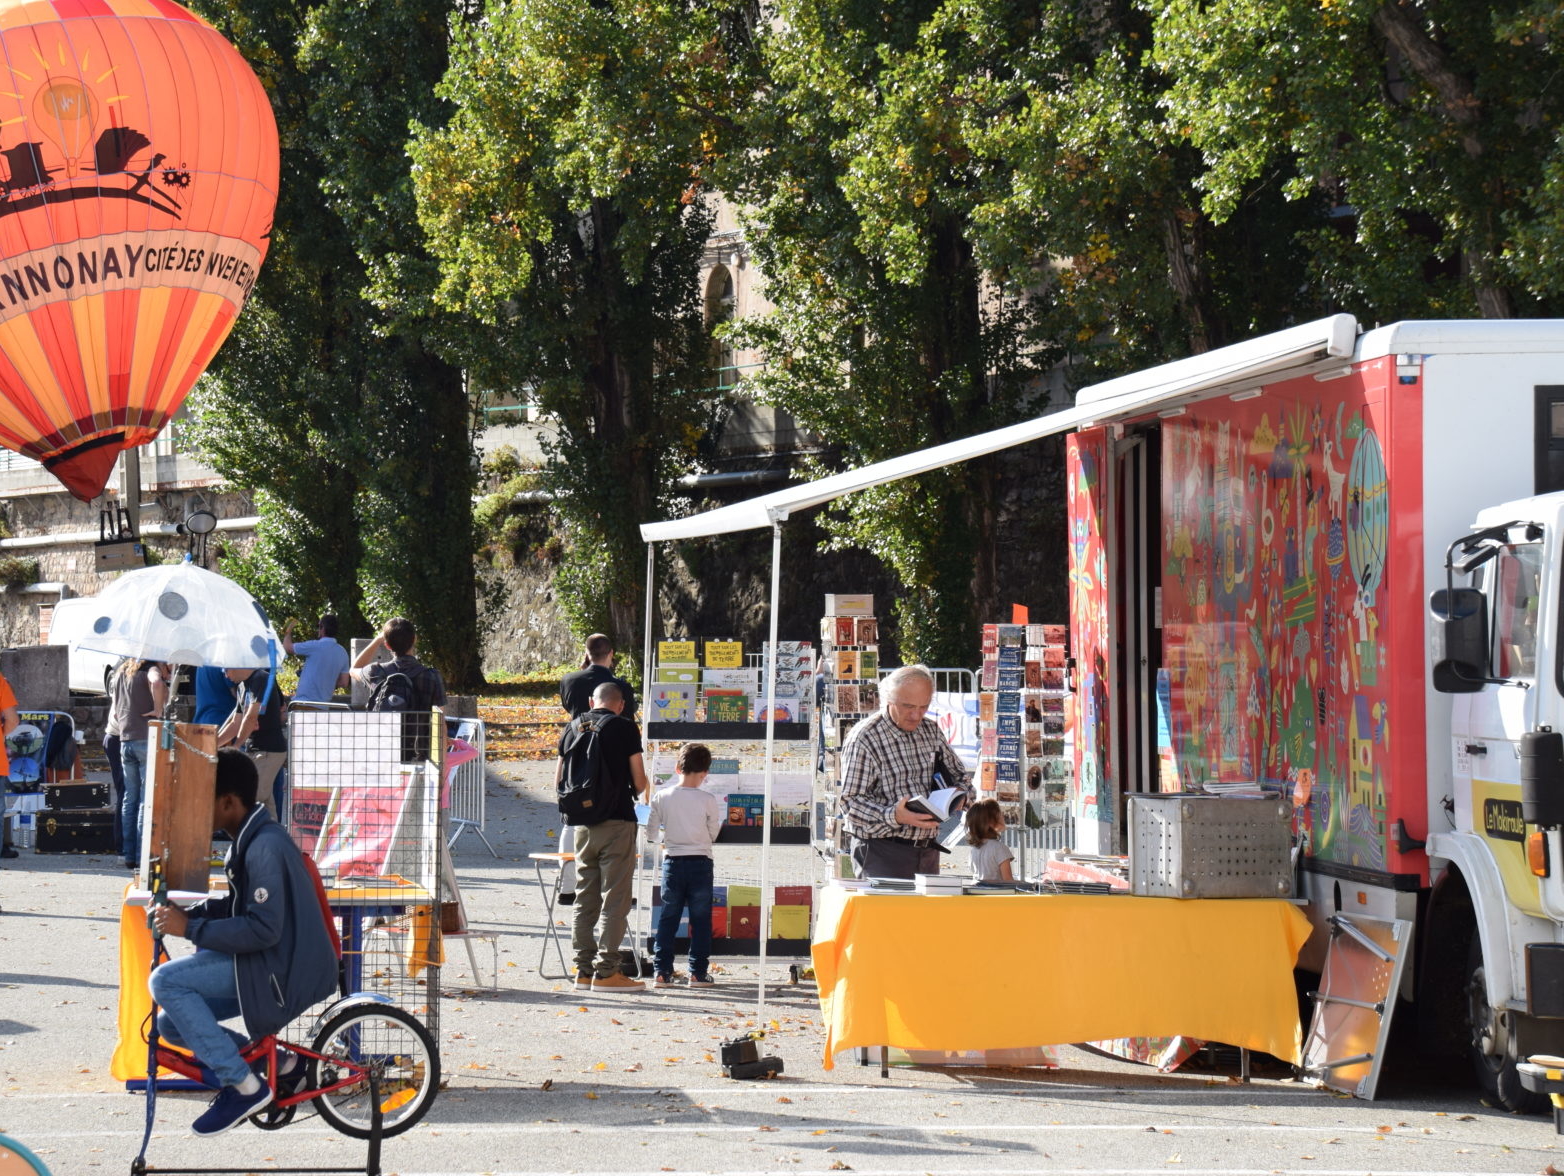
(867,630)
(671,702)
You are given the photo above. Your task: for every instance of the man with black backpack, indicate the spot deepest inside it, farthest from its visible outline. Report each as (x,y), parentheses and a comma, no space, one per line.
(403,684)
(601,773)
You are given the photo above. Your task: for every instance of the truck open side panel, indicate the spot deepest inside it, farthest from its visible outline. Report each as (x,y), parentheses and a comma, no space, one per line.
(1289,640)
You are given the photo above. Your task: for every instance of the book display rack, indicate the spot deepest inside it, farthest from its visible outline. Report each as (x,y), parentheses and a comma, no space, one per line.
(712,692)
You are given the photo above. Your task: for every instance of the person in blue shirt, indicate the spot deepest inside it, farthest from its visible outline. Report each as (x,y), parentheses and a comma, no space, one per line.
(214,696)
(325,661)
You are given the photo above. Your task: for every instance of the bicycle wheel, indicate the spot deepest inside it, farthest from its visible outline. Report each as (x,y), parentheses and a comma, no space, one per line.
(393,1043)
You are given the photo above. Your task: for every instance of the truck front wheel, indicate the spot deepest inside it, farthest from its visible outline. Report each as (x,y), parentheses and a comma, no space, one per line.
(1492,1043)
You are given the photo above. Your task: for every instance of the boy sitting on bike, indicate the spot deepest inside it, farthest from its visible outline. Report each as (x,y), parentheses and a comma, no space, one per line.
(263,951)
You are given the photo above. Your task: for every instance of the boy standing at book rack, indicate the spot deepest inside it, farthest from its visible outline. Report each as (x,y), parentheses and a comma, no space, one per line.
(689,818)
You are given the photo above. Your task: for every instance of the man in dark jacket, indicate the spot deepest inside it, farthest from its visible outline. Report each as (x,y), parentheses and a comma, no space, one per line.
(265,953)
(597,667)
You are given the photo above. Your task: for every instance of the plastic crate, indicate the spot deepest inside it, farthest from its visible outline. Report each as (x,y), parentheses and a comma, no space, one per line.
(1191,846)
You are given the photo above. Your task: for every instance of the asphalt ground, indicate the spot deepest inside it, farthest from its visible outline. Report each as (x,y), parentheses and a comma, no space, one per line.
(542,1078)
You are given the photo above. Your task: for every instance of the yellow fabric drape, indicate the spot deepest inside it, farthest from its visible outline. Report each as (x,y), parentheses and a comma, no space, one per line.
(1001,971)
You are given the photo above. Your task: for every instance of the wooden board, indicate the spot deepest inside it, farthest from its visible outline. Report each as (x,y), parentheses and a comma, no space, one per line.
(180,804)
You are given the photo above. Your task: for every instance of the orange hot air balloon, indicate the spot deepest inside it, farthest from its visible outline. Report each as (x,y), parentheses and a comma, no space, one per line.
(138,176)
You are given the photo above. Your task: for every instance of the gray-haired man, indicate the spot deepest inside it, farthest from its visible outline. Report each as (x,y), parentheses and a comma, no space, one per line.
(889,758)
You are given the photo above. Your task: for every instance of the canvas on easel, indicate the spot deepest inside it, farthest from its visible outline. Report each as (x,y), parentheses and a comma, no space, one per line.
(180,805)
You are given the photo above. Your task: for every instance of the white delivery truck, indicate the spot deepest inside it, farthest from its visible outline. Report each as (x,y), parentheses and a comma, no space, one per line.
(1331,559)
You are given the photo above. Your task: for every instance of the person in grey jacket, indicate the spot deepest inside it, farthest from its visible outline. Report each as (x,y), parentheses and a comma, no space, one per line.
(264,952)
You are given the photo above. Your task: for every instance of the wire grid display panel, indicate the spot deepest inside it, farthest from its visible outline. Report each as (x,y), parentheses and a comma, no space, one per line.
(364,801)
(738,778)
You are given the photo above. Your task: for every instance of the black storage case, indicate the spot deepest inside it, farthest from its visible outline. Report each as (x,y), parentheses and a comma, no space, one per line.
(75,831)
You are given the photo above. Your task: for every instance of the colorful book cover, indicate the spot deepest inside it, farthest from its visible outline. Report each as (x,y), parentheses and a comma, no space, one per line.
(1053,679)
(868,697)
(1007,724)
(671,703)
(1008,702)
(783,710)
(867,630)
(1008,748)
(1053,634)
(724,655)
(988,676)
(1034,743)
(869,663)
(1011,677)
(987,703)
(1034,675)
(1007,771)
(1011,655)
(1053,657)
(987,776)
(846,700)
(676,653)
(1012,635)
(678,674)
(846,664)
(988,742)
(1032,707)
(727,706)
(846,631)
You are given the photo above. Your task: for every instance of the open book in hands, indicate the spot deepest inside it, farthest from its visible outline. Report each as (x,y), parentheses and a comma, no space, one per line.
(942,803)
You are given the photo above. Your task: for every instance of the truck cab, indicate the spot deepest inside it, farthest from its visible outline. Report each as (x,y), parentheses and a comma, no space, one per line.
(1496,655)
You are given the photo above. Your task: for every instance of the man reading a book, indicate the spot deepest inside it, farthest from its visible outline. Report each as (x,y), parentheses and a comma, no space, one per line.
(895,755)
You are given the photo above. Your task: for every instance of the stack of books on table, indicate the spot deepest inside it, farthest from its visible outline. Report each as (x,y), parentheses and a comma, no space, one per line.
(940,883)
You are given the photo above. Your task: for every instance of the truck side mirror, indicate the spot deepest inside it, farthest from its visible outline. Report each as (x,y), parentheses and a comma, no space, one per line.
(1459,640)
(1542,778)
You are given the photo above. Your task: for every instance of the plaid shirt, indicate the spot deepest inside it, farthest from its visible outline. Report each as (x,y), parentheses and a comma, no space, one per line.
(882,765)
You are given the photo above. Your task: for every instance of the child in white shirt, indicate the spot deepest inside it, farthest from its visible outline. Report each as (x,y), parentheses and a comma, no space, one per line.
(688,818)
(991,857)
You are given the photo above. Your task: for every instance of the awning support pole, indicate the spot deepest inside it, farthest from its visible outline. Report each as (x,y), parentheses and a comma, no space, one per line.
(769,697)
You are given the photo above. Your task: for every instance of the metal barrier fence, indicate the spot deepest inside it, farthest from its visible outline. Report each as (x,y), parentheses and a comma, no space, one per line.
(467,787)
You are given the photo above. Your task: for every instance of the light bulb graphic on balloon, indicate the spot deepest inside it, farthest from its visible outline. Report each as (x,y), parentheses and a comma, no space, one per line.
(66,113)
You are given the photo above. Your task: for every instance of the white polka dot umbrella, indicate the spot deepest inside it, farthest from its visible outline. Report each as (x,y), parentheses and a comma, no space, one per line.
(182,614)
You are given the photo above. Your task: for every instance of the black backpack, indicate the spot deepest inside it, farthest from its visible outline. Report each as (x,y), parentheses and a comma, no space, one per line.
(394,692)
(586,793)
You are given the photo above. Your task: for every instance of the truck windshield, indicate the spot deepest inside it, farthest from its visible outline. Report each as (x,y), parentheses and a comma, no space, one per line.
(1517,576)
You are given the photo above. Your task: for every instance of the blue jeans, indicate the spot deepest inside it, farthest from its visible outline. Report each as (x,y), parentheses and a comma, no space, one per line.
(686,883)
(133,761)
(117,778)
(194,993)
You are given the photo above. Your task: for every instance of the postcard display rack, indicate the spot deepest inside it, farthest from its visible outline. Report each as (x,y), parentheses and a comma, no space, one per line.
(850,665)
(705,692)
(1021,722)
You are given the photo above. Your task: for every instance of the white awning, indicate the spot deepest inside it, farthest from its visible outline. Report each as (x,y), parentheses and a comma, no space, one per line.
(1282,354)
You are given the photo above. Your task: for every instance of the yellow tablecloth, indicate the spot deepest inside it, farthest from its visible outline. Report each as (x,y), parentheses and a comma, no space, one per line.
(948,972)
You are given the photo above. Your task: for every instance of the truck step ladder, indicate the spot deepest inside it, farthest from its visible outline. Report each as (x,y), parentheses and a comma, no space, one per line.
(1352,1009)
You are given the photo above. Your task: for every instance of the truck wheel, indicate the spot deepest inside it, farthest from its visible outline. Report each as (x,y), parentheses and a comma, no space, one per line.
(1492,1045)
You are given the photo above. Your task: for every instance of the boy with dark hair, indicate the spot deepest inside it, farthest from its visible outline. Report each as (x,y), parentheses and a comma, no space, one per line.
(399,636)
(689,818)
(265,953)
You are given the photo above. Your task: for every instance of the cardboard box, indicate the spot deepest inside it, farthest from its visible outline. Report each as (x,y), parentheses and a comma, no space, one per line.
(849,604)
(789,922)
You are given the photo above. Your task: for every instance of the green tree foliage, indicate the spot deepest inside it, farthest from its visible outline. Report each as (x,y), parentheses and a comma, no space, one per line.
(1431,126)
(337,398)
(565,200)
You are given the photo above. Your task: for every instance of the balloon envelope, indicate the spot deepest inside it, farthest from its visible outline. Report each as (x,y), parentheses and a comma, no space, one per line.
(138,177)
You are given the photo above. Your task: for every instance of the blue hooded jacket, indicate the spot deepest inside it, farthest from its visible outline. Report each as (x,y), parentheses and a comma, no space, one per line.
(270,921)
